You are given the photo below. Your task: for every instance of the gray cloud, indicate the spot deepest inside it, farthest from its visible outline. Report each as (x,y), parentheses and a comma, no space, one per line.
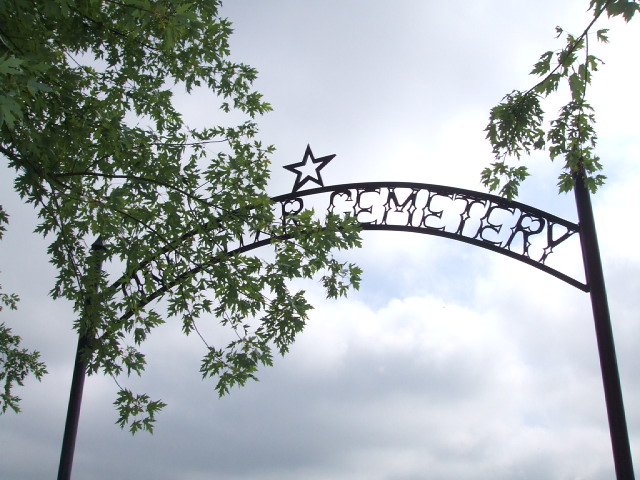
(450,362)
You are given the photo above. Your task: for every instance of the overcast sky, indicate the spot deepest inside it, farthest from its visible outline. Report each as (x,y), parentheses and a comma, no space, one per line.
(451,362)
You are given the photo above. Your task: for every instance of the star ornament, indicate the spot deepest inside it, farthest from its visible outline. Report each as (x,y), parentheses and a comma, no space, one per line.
(308,169)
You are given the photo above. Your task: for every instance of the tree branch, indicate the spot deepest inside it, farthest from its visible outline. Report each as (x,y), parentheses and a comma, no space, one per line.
(573,47)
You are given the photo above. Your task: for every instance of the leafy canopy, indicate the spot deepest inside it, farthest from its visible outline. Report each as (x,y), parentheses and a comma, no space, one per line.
(516,125)
(89,123)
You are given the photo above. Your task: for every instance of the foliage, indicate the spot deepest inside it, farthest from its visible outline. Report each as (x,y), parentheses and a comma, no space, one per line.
(89,122)
(16,363)
(516,125)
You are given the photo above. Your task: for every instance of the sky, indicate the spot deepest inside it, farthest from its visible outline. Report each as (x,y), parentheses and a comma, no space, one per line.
(451,362)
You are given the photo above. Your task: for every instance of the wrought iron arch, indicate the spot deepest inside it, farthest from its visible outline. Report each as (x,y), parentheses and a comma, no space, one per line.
(421,208)
(475,222)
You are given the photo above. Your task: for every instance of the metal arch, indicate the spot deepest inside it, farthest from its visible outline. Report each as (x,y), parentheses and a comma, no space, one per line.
(478,208)
(475,223)
(292,203)
(545,224)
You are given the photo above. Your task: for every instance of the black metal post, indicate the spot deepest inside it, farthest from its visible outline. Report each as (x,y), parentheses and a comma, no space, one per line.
(604,334)
(77,382)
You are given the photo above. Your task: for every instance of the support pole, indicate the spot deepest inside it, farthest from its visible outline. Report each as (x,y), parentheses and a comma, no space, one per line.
(604,333)
(79,373)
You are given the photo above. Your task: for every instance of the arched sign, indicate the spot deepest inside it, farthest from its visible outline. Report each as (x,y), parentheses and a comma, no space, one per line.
(510,228)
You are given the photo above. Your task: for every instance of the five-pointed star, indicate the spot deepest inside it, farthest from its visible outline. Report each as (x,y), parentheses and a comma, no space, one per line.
(308,169)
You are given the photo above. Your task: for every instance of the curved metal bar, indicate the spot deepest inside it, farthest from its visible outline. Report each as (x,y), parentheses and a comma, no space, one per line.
(422,212)
(460,214)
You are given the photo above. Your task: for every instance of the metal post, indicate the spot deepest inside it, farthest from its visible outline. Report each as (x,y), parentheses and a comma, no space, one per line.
(604,334)
(77,382)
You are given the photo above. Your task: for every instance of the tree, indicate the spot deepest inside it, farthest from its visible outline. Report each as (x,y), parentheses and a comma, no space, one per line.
(516,125)
(89,122)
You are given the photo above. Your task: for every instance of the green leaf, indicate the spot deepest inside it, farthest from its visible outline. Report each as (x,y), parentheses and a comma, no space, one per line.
(577,85)
(35,87)
(10,65)
(10,111)
(626,8)
(544,65)
(137,411)
(602,35)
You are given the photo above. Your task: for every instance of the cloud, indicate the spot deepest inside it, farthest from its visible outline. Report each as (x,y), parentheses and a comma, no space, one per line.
(452,361)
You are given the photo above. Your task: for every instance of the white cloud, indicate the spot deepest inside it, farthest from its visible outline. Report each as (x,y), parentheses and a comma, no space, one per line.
(452,362)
